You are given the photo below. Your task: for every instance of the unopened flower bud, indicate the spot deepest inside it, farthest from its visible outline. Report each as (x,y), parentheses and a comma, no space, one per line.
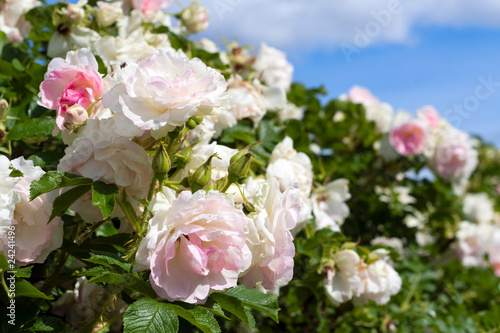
(239,168)
(192,123)
(75,115)
(184,156)
(195,17)
(242,152)
(202,175)
(161,163)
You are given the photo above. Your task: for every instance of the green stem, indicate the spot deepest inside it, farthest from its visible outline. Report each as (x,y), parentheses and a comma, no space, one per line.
(151,192)
(5,285)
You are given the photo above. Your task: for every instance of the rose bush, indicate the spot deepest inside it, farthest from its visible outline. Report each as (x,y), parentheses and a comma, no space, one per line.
(152,183)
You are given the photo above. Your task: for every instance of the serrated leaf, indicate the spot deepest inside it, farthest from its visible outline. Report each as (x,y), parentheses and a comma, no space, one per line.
(42,126)
(24,288)
(236,307)
(109,261)
(65,200)
(254,299)
(199,317)
(54,180)
(104,197)
(150,316)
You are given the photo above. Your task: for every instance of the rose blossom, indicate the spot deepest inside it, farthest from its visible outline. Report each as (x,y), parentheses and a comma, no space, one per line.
(329,205)
(150,7)
(472,243)
(289,167)
(478,208)
(342,281)
(195,245)
(12,22)
(410,138)
(494,251)
(379,279)
(35,238)
(108,13)
(273,68)
(164,90)
(429,115)
(8,196)
(71,82)
(195,17)
(99,154)
(454,157)
(252,100)
(269,237)
(376,111)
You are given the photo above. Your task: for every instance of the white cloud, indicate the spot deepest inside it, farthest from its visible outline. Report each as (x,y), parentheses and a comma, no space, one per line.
(300,24)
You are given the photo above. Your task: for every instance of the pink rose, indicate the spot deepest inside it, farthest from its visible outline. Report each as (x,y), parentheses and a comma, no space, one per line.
(70,82)
(150,7)
(454,157)
(430,116)
(409,138)
(360,95)
(195,245)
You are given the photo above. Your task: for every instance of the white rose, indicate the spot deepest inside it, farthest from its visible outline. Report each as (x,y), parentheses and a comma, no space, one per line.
(12,22)
(75,38)
(472,243)
(393,242)
(164,90)
(292,111)
(289,167)
(108,13)
(478,208)
(34,237)
(273,68)
(252,101)
(329,206)
(99,154)
(380,280)
(269,237)
(342,281)
(8,196)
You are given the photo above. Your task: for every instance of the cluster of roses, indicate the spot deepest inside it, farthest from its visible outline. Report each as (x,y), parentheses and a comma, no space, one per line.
(158,109)
(449,152)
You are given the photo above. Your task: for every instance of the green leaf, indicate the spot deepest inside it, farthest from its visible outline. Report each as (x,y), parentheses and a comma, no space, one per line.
(132,282)
(42,126)
(24,288)
(4,264)
(150,316)
(54,180)
(111,262)
(266,303)
(198,316)
(65,200)
(24,272)
(240,131)
(103,196)
(236,307)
